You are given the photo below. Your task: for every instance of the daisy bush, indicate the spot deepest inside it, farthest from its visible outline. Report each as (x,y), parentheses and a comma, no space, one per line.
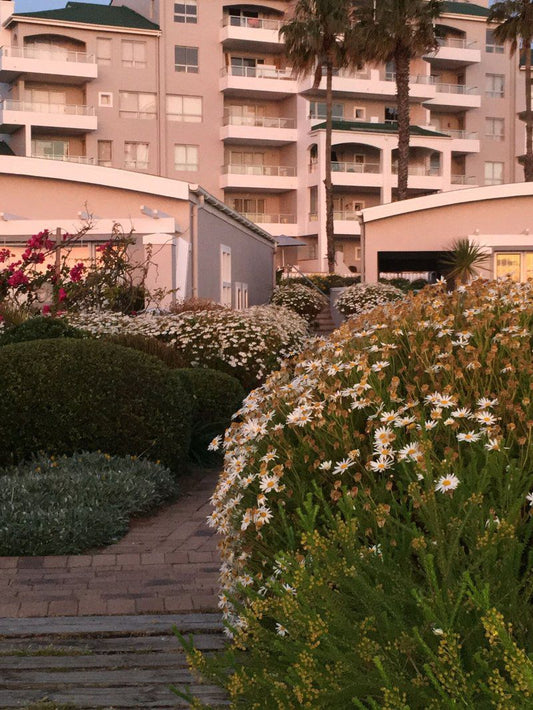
(362,298)
(375,512)
(306,301)
(247,344)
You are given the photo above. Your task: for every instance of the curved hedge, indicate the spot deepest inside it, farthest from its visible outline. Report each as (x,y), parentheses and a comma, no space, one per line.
(69,395)
(40,328)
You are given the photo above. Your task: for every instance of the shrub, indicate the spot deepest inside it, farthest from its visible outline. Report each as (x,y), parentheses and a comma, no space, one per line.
(215,397)
(376,512)
(325,282)
(304,300)
(247,344)
(63,396)
(67,505)
(194,304)
(362,298)
(40,328)
(149,345)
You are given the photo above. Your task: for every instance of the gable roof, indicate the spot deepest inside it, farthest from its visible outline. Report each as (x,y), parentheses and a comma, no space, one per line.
(366,127)
(87,13)
(464,8)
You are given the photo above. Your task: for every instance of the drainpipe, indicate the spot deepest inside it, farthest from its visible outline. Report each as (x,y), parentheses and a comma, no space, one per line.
(361,218)
(195,202)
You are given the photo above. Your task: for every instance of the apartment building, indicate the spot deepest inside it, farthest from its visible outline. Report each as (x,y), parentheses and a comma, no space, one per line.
(201,91)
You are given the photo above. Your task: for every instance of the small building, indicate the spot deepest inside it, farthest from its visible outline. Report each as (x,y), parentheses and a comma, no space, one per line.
(411,236)
(197,246)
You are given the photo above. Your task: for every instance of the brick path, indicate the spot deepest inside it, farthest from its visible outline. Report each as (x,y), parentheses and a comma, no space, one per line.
(165,564)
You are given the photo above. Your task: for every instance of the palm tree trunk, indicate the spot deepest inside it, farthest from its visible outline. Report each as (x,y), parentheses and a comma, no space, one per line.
(327,182)
(528,160)
(402,66)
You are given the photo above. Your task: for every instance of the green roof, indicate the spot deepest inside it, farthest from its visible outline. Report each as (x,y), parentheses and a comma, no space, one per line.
(365,127)
(87,13)
(464,8)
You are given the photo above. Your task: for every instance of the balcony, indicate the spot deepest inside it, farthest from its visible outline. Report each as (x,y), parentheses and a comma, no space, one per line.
(356,174)
(56,118)
(346,222)
(463,181)
(463,141)
(275,224)
(251,34)
(261,81)
(264,178)
(423,177)
(81,159)
(261,130)
(455,97)
(453,53)
(46,65)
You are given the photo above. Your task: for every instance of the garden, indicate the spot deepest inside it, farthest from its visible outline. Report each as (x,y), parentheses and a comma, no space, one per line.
(375,503)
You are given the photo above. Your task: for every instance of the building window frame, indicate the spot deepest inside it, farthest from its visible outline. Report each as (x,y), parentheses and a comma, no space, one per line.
(492,90)
(183,112)
(105,99)
(492,167)
(133,54)
(143,105)
(105,153)
(103,57)
(191,155)
(139,158)
(495,128)
(186,12)
(491,45)
(186,59)
(226,284)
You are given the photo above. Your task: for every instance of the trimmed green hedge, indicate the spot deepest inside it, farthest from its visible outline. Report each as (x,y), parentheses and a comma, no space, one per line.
(69,505)
(216,397)
(40,328)
(66,395)
(151,346)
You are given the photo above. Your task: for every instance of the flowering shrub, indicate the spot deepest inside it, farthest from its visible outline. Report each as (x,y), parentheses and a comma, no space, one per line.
(246,344)
(305,301)
(362,298)
(376,513)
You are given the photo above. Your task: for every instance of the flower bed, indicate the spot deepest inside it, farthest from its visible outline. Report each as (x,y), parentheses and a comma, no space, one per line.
(246,344)
(375,509)
(362,298)
(302,299)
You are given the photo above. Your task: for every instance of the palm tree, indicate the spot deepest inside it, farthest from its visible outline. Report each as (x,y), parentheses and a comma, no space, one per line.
(397,31)
(315,40)
(515,18)
(462,261)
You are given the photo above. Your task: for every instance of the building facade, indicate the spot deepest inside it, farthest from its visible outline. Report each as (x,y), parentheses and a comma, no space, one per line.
(201,91)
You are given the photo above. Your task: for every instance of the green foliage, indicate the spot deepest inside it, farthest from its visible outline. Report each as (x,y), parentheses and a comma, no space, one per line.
(302,299)
(404,284)
(215,398)
(67,395)
(149,345)
(376,508)
(325,282)
(40,328)
(464,260)
(67,505)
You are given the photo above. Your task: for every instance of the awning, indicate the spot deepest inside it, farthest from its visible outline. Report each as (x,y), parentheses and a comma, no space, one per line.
(284,241)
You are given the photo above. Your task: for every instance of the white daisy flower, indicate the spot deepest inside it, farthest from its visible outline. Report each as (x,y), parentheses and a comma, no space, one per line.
(447,483)
(469,437)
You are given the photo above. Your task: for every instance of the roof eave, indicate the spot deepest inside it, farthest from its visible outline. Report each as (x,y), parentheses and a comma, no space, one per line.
(80,25)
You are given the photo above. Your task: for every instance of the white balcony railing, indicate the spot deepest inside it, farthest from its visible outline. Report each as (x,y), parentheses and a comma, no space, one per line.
(338,167)
(463,180)
(455,42)
(67,158)
(462,135)
(456,89)
(419,170)
(263,170)
(262,218)
(259,121)
(349,215)
(257,72)
(252,23)
(38,107)
(53,54)
(413,78)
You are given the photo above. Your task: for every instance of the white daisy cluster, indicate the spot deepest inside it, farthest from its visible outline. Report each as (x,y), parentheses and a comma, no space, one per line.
(306,301)
(362,298)
(254,340)
(343,415)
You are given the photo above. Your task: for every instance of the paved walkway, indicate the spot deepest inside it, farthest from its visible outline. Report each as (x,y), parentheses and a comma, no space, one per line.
(165,564)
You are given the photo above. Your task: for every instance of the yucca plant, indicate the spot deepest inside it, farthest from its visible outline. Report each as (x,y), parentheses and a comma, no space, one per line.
(463,260)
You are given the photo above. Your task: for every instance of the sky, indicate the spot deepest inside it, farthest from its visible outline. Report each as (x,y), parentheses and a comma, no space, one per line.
(35,5)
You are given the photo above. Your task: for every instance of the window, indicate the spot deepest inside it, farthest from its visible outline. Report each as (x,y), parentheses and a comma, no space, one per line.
(137,105)
(317,109)
(133,54)
(391,114)
(105,99)
(184,108)
(494,128)
(186,157)
(186,59)
(359,113)
(250,206)
(313,203)
(495,85)
(56,149)
(491,45)
(186,12)
(136,156)
(105,153)
(225,275)
(508,265)
(493,173)
(103,51)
